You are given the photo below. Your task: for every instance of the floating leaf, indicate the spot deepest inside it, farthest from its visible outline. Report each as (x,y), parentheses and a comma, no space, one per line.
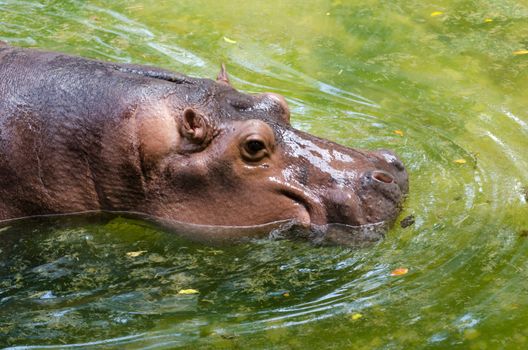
(286,295)
(488,20)
(436,13)
(156,258)
(230,41)
(135,254)
(356,316)
(520,52)
(400,271)
(188,291)
(460,161)
(398,132)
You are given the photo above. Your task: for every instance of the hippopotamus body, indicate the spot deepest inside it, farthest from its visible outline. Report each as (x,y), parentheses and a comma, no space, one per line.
(81,135)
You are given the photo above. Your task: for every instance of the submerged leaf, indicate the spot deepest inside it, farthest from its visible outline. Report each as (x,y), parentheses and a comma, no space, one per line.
(400,271)
(188,291)
(230,41)
(135,254)
(356,316)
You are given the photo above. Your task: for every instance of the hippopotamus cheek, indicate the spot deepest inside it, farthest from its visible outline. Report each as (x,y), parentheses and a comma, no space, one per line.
(157,133)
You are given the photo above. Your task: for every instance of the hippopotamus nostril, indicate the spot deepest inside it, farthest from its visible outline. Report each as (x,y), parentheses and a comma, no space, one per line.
(382,176)
(380,182)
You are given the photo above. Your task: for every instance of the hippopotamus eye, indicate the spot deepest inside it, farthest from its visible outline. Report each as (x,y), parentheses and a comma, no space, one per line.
(255,146)
(256,140)
(254,149)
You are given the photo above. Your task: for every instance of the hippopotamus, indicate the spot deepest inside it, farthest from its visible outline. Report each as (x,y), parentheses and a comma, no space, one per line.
(80,135)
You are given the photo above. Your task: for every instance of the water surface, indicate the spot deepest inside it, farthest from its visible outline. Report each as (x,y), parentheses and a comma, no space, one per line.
(443,85)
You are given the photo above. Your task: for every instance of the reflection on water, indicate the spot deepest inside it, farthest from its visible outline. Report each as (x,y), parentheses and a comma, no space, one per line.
(442,84)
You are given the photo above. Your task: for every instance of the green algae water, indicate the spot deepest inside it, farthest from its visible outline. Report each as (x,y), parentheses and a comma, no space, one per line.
(443,84)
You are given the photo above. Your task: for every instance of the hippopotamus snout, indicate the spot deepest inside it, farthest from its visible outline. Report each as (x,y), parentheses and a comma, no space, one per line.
(388,177)
(375,196)
(382,188)
(393,172)
(342,185)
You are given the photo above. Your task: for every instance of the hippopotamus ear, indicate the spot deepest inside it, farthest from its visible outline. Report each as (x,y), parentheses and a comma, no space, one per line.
(222,76)
(195,129)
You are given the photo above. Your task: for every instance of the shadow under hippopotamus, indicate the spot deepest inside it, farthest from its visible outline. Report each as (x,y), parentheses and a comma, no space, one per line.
(194,155)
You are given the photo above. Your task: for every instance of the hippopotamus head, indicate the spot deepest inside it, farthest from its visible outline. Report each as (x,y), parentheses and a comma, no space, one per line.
(226,158)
